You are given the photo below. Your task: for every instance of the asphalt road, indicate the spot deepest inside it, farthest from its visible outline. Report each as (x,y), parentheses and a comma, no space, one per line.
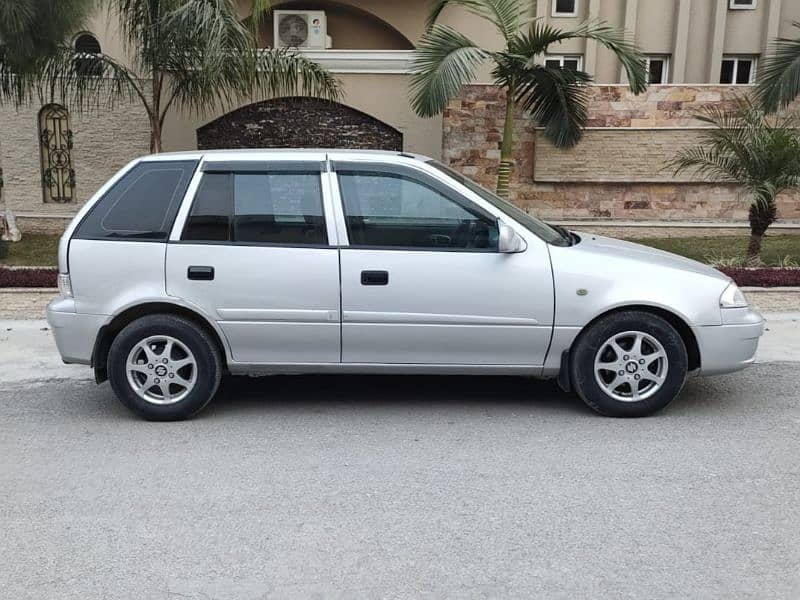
(384,487)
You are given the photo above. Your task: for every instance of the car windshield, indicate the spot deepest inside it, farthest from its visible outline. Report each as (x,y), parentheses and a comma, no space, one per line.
(548,233)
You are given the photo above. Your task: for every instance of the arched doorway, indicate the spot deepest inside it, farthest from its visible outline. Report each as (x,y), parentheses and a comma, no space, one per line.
(298,123)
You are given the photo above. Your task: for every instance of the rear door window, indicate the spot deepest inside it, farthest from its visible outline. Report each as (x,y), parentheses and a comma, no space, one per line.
(142,205)
(282,208)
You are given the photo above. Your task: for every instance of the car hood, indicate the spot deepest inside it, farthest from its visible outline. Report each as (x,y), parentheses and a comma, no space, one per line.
(610,247)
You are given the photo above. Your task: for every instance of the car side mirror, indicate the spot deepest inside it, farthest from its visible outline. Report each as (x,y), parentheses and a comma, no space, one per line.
(509,241)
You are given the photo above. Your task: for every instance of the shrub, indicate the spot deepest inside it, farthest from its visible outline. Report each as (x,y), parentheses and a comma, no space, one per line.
(763,277)
(28,278)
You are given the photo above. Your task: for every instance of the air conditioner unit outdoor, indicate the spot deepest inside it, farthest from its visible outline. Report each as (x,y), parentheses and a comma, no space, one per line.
(305,29)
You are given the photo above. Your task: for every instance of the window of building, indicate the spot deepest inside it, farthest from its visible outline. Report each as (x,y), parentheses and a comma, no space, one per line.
(142,205)
(258,208)
(565,8)
(88,49)
(743,4)
(392,210)
(573,62)
(658,69)
(738,70)
(55,141)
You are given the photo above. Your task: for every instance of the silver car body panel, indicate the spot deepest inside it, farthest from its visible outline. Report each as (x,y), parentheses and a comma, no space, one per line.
(281,309)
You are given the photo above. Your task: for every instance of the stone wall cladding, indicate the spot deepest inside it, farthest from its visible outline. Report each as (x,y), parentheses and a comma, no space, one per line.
(616,172)
(105,139)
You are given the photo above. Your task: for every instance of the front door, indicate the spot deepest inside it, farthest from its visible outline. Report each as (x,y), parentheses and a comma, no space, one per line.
(423,281)
(254,254)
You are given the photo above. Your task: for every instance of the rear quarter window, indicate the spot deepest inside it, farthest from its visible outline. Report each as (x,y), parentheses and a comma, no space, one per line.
(142,205)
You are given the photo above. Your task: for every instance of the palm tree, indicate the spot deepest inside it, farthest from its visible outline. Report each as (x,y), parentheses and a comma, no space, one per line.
(779,77)
(195,54)
(446,60)
(746,147)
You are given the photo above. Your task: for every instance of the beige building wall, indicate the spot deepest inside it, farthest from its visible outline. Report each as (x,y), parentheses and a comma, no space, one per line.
(384,97)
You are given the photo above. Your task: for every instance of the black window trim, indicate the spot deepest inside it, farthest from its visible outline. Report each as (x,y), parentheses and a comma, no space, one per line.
(231,168)
(422,177)
(132,238)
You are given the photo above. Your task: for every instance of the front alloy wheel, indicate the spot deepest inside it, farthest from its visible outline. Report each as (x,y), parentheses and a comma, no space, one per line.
(628,364)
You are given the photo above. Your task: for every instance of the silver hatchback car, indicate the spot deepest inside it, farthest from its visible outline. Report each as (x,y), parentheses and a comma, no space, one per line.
(187,266)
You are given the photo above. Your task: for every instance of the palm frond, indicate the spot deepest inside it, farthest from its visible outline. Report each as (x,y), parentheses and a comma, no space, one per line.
(540,36)
(285,72)
(69,78)
(557,99)
(779,76)
(506,15)
(744,146)
(443,62)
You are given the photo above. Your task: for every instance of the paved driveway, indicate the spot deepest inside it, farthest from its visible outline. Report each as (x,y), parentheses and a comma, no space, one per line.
(384,487)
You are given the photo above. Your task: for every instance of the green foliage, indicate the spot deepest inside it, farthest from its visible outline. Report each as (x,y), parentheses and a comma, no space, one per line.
(196,54)
(446,60)
(31,31)
(779,75)
(746,147)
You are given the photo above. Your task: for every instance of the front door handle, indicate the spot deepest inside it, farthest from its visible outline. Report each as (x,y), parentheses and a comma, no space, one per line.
(200,273)
(374,277)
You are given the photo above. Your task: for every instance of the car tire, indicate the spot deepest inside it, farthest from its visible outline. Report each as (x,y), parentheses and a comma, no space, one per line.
(164,367)
(628,364)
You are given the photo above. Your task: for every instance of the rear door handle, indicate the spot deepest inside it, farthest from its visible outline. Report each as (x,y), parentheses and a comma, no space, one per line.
(374,277)
(200,273)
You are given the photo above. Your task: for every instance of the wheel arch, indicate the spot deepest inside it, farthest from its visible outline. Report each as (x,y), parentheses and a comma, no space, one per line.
(674,319)
(109,331)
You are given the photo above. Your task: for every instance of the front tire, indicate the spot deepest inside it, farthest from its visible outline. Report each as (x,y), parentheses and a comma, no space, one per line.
(164,367)
(629,364)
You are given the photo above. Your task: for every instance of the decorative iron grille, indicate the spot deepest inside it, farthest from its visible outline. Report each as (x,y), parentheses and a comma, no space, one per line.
(55,136)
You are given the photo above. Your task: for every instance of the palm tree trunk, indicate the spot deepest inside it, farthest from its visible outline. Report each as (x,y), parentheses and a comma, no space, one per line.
(754,249)
(763,212)
(506,149)
(155,135)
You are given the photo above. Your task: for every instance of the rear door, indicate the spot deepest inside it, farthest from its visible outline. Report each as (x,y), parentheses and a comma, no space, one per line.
(255,252)
(423,282)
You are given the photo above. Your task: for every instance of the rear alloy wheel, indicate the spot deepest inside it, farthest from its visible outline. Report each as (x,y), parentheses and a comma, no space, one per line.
(629,364)
(164,367)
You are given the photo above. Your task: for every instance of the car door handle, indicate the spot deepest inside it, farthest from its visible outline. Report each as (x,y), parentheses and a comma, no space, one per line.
(374,277)
(200,273)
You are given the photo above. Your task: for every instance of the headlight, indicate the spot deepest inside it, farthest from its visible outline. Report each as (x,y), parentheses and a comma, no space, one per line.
(732,297)
(64,285)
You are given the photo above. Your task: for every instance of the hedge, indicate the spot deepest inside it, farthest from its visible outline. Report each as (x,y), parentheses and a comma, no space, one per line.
(28,278)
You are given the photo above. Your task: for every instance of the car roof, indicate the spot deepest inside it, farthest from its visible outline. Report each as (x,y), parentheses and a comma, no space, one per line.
(267,153)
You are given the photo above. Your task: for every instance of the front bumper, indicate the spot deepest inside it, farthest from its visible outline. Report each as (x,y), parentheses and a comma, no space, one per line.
(731,346)
(74,333)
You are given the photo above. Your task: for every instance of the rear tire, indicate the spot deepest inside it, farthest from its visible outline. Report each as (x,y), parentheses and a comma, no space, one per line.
(629,364)
(164,367)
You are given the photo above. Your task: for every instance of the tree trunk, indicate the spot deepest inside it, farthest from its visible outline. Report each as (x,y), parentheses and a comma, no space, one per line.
(763,212)
(155,135)
(506,149)
(754,249)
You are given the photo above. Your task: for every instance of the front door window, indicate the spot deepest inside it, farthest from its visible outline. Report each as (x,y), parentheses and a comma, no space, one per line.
(384,209)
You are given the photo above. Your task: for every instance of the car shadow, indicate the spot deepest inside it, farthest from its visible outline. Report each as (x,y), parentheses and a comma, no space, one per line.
(298,393)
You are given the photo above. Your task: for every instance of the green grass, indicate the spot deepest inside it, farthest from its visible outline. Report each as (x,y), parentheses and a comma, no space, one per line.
(35,249)
(40,249)
(774,250)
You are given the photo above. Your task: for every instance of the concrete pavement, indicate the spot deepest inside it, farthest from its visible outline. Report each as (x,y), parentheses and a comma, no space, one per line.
(402,487)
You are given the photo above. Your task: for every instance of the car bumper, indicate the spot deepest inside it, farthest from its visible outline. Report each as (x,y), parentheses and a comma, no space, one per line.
(74,333)
(731,346)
